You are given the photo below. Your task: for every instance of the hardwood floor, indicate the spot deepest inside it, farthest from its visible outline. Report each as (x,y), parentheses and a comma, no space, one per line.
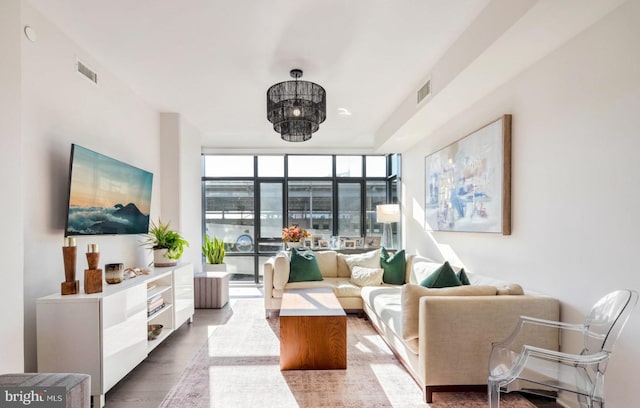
(147,385)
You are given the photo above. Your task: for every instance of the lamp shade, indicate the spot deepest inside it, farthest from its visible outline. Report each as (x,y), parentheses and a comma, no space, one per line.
(387,213)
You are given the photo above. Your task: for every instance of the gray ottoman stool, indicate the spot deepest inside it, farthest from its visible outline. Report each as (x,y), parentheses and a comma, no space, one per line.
(211,290)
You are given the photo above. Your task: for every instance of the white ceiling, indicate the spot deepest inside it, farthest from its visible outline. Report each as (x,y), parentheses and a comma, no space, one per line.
(212,61)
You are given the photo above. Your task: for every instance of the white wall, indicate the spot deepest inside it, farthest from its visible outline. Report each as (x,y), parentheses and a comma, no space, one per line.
(61,107)
(575,173)
(12,215)
(170,168)
(191,192)
(182,192)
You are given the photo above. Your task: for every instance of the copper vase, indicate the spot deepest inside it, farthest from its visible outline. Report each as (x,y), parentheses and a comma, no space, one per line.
(69,254)
(93,258)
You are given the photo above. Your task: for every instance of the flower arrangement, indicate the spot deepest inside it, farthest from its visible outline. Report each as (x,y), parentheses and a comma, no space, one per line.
(294,233)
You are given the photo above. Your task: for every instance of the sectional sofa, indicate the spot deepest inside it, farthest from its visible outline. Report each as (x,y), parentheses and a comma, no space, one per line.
(442,336)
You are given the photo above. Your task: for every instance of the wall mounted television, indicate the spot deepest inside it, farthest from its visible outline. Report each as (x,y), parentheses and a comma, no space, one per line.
(106,196)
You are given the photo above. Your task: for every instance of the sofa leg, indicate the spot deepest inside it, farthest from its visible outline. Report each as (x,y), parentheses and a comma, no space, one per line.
(428,395)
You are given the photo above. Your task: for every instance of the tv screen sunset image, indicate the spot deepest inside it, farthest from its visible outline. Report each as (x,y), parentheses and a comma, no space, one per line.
(107,196)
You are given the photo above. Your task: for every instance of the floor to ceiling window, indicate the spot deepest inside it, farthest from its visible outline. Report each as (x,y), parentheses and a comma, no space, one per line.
(247,200)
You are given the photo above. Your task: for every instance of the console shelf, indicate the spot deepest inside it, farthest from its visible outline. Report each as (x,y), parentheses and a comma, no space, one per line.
(151,344)
(157,290)
(105,334)
(158,313)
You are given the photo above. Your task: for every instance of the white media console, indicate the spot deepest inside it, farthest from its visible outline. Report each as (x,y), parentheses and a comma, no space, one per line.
(105,334)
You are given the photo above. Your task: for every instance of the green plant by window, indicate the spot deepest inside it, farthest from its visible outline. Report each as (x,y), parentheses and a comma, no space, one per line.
(160,236)
(213,250)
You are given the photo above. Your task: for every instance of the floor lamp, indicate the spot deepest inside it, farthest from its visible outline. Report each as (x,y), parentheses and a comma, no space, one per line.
(386,214)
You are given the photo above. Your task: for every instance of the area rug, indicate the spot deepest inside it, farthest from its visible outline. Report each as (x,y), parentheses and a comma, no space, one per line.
(239,366)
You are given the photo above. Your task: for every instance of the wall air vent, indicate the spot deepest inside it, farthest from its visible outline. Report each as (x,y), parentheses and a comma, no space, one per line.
(87,72)
(424,91)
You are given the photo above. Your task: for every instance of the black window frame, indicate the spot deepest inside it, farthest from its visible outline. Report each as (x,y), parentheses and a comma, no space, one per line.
(389,181)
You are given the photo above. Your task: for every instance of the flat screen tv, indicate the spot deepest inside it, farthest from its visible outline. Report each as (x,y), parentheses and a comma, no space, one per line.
(106,196)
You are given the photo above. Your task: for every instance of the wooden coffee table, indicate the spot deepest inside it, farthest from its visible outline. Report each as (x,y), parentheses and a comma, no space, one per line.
(313,330)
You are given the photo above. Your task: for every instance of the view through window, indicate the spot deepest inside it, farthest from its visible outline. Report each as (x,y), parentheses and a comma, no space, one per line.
(248,199)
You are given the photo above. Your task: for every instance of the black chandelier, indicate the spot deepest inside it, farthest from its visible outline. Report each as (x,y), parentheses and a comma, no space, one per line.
(296,108)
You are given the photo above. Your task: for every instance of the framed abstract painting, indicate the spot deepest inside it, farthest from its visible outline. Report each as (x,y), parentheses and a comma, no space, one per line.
(468,183)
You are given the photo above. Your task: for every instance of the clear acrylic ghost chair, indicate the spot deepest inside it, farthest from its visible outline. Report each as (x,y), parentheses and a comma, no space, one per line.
(536,370)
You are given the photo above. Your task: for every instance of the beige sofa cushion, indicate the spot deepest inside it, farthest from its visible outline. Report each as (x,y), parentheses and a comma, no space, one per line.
(341,287)
(410,300)
(281,270)
(409,262)
(328,263)
(362,276)
(504,288)
(343,268)
(421,268)
(384,301)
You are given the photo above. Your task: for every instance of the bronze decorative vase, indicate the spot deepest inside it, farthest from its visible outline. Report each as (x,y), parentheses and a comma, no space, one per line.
(70,286)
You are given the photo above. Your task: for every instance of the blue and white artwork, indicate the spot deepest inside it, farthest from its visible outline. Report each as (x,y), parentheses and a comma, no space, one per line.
(467,182)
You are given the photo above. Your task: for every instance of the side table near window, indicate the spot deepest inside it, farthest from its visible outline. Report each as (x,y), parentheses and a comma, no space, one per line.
(211,290)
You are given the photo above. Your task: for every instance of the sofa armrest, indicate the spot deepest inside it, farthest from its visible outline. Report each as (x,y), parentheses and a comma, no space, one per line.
(267,280)
(276,272)
(456,333)
(281,271)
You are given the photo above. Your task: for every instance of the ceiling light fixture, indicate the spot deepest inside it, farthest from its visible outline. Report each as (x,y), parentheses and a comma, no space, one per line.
(296,108)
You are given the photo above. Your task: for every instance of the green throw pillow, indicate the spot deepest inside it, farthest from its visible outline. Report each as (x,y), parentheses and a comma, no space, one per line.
(394,267)
(443,277)
(304,267)
(462,277)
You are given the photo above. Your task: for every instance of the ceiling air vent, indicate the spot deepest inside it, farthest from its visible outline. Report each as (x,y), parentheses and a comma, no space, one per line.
(424,91)
(87,72)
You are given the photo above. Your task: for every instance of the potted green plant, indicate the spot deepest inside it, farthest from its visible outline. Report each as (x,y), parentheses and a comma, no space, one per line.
(167,244)
(213,251)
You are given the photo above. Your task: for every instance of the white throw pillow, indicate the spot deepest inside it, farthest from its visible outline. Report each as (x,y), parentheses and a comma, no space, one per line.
(363,276)
(369,259)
